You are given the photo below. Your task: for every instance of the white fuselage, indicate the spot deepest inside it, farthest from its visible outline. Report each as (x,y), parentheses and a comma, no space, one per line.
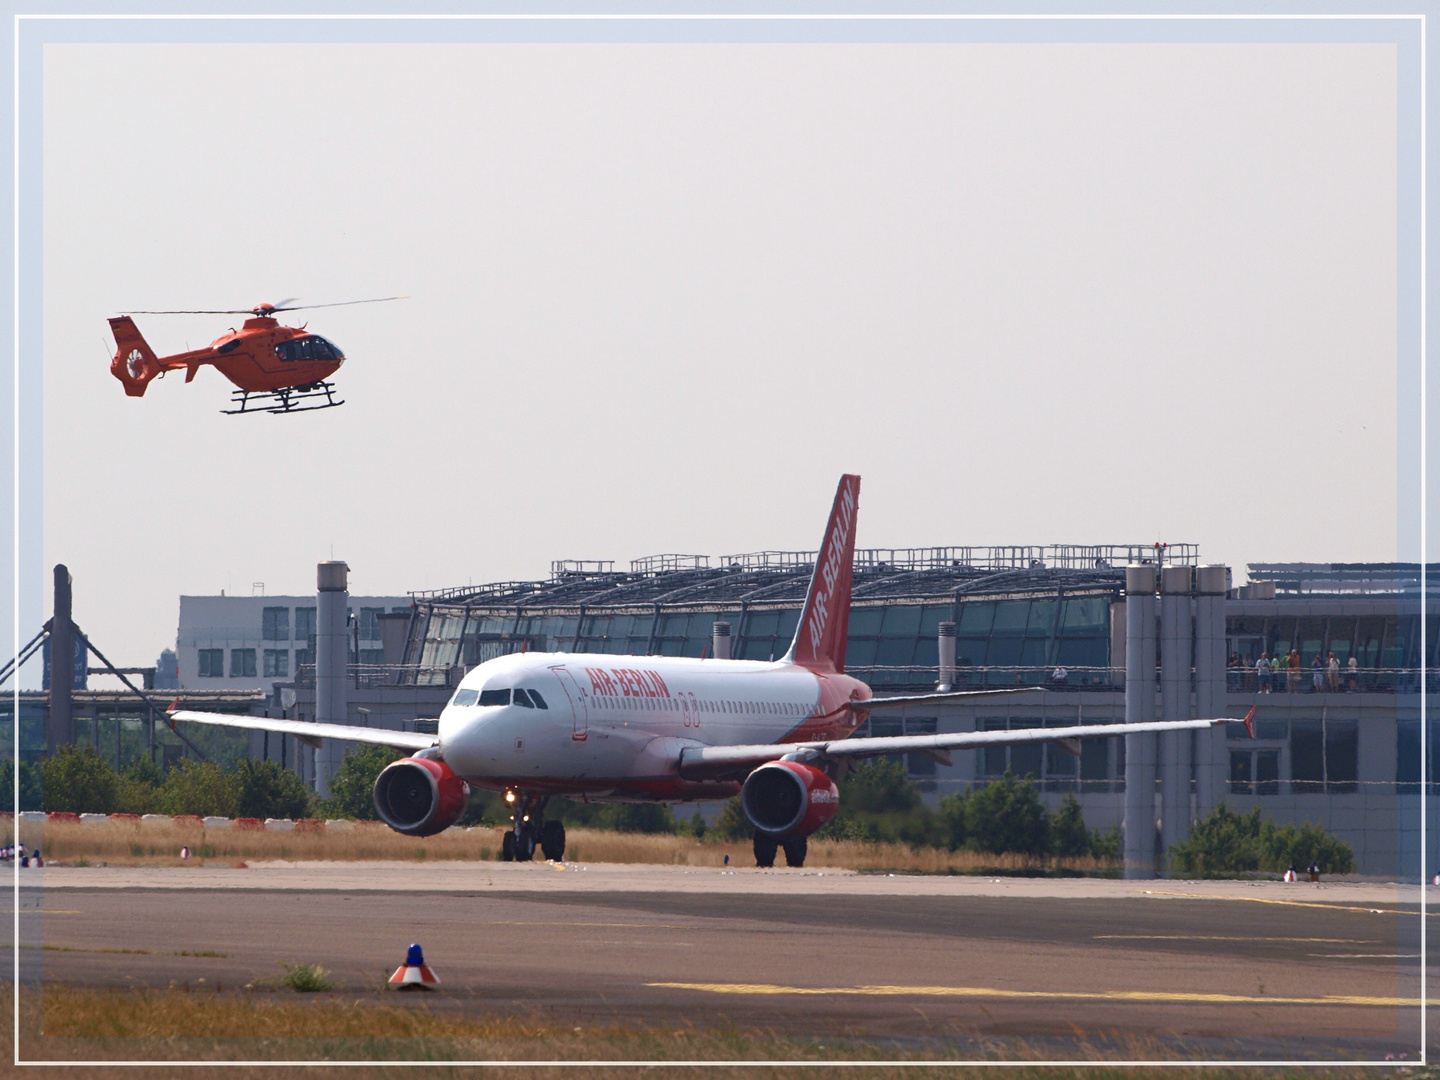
(607,726)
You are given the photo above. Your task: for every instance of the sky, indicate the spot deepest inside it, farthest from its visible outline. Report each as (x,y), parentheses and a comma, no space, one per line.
(661,296)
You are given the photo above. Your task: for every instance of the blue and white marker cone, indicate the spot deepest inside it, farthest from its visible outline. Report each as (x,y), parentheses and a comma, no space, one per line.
(413,974)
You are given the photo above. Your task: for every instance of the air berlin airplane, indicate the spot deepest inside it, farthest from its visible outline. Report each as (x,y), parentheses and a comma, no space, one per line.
(665,729)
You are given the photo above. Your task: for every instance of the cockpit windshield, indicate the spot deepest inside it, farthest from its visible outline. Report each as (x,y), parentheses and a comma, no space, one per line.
(464,697)
(495,697)
(309,347)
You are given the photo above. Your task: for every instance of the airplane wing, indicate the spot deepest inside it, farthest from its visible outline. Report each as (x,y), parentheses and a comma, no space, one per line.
(947,695)
(701,762)
(307,731)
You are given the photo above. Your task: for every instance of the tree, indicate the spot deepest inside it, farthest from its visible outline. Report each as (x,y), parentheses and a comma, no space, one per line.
(266,789)
(878,801)
(78,780)
(199,787)
(353,785)
(637,818)
(953,811)
(732,823)
(1069,838)
(1007,815)
(138,787)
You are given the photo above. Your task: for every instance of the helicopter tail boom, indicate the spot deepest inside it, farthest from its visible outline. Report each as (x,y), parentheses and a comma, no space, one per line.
(135,363)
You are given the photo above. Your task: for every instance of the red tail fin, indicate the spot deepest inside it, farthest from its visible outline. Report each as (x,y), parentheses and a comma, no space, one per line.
(135,363)
(825,621)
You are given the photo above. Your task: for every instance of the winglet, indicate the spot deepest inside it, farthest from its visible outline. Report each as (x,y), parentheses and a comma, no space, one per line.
(170,711)
(1249,721)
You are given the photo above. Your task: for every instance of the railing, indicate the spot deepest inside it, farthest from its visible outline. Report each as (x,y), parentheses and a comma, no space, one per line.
(1367,680)
(389,675)
(666,564)
(1081,678)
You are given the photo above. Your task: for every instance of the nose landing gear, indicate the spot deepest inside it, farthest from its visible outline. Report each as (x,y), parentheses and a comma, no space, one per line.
(530,832)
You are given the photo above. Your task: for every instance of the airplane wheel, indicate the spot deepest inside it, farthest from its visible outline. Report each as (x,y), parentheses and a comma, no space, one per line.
(795,849)
(552,840)
(765,848)
(524,846)
(507,847)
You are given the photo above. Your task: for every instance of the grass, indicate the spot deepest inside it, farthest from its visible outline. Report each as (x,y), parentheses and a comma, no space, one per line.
(214,1025)
(305,978)
(158,843)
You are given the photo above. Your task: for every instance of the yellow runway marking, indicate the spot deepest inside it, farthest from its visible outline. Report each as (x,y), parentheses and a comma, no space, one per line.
(1068,995)
(1220,937)
(1286,903)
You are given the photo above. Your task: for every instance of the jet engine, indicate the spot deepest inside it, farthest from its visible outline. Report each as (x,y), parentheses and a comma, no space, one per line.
(420,797)
(789,798)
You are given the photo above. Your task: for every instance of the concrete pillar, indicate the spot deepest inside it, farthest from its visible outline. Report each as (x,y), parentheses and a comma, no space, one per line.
(1211,756)
(720,641)
(945,643)
(1175,656)
(1139,709)
(61,728)
(332,605)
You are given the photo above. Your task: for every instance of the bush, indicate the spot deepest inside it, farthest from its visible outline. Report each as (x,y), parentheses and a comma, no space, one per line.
(352,787)
(77,780)
(637,818)
(266,789)
(305,978)
(1069,838)
(1007,815)
(1230,843)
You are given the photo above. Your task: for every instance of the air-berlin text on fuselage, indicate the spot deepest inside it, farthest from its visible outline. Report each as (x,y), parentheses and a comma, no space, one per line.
(824,795)
(627,682)
(834,555)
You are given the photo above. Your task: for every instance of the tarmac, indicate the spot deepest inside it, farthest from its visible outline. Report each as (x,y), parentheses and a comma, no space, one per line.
(1235,970)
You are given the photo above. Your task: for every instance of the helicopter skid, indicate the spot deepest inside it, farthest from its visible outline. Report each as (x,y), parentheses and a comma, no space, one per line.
(292,399)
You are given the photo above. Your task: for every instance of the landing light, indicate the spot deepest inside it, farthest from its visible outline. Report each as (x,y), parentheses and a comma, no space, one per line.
(509,796)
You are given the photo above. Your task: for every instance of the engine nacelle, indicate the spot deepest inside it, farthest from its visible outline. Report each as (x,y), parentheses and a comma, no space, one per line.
(789,798)
(420,797)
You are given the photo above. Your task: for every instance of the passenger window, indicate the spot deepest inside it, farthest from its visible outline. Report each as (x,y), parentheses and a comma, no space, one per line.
(464,697)
(539,701)
(494,697)
(521,698)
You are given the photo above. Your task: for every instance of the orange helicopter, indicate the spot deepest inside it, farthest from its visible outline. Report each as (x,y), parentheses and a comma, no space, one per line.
(279,369)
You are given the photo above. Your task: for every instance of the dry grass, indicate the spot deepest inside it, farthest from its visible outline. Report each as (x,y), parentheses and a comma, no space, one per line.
(174,1025)
(154,843)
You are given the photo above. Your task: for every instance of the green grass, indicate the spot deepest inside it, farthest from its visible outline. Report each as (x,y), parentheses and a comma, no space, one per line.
(305,978)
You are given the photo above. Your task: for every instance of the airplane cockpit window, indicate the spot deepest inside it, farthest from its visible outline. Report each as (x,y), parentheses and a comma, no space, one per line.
(464,697)
(495,697)
(521,698)
(539,701)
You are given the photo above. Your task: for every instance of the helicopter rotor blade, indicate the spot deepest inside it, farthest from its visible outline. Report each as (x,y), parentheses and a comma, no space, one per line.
(343,303)
(226,311)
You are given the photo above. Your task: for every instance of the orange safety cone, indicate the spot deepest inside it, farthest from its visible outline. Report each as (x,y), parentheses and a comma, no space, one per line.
(414,974)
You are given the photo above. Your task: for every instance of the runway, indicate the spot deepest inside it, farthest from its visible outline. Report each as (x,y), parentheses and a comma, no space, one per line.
(1244,970)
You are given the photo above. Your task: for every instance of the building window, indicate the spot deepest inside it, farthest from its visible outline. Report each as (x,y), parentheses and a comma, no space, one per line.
(304,658)
(370,623)
(212,663)
(305,625)
(242,663)
(277,663)
(1255,772)
(372,656)
(275,624)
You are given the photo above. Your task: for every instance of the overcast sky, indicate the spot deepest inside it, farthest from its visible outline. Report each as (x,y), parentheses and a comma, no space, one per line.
(661,296)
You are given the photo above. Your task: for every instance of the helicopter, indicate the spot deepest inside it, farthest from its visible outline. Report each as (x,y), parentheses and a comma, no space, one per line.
(278,369)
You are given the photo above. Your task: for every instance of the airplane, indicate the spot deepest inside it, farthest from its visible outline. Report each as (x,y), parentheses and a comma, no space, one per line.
(603,727)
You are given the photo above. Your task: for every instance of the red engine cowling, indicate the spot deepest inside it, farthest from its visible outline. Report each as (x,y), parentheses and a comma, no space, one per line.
(789,798)
(419,797)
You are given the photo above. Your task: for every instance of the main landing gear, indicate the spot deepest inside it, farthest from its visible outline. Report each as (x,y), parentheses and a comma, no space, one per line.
(766,847)
(530,832)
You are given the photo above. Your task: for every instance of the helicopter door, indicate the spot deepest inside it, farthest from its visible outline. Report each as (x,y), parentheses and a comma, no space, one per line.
(572,690)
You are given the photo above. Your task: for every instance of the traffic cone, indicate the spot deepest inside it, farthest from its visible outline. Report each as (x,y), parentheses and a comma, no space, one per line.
(414,974)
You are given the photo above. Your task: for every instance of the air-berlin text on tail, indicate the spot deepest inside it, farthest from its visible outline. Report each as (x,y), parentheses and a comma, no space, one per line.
(834,555)
(627,682)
